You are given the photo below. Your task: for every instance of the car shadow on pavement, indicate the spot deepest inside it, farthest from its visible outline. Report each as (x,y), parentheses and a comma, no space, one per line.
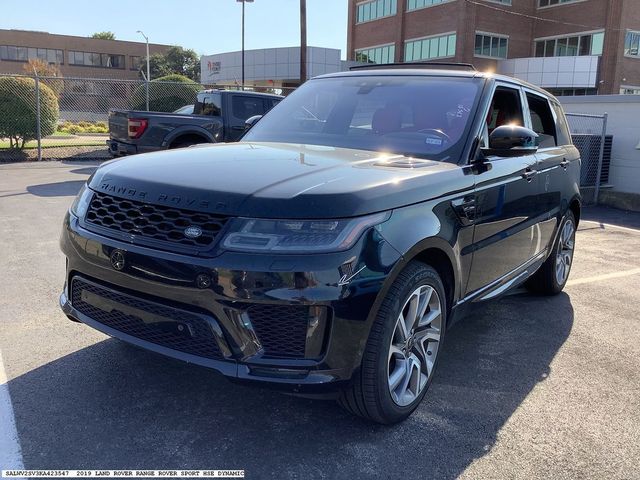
(111,406)
(84,170)
(57,189)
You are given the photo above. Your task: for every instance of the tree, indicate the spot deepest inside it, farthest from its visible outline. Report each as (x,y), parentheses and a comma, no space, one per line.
(48,70)
(104,35)
(176,60)
(166,94)
(18,110)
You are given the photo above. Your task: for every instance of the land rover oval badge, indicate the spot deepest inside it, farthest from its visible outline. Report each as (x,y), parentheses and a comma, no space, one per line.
(117,260)
(192,231)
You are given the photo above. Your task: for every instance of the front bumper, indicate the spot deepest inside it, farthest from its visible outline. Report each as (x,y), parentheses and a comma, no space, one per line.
(336,326)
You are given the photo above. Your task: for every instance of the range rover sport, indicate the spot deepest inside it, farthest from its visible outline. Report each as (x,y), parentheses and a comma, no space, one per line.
(328,251)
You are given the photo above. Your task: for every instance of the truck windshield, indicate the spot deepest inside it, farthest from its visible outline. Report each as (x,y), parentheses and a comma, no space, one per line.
(419,116)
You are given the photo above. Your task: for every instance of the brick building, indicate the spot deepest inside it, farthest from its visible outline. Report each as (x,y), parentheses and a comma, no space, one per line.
(570,47)
(76,56)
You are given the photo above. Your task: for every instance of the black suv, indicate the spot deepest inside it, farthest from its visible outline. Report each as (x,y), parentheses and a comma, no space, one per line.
(327,252)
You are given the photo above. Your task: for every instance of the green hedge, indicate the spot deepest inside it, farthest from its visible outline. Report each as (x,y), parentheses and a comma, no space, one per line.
(18,110)
(166,94)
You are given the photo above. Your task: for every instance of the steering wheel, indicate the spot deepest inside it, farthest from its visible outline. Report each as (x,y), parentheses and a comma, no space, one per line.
(434,131)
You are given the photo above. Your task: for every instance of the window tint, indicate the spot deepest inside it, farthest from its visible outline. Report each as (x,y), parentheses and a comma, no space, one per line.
(542,121)
(506,109)
(564,137)
(208,104)
(246,107)
(414,116)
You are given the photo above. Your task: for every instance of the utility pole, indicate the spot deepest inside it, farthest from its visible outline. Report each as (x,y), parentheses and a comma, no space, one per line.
(148,79)
(303,41)
(243,2)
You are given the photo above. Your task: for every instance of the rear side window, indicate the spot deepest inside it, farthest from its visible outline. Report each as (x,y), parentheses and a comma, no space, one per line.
(208,104)
(562,127)
(542,121)
(246,107)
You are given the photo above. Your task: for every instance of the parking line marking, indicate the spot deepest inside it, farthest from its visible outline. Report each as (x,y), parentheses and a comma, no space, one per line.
(603,226)
(606,276)
(10,451)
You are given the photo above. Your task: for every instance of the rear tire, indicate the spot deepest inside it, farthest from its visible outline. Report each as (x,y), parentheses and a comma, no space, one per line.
(402,350)
(553,274)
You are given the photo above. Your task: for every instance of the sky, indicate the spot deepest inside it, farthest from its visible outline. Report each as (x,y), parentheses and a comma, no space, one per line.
(208,27)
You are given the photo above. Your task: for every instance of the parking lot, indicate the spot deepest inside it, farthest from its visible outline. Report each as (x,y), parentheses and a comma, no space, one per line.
(528,387)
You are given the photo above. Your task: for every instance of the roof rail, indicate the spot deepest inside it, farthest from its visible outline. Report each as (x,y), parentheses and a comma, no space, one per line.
(434,65)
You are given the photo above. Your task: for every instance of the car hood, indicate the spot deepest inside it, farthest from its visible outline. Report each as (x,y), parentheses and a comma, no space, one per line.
(272,180)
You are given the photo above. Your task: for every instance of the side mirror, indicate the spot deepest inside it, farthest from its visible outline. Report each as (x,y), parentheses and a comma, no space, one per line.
(251,121)
(511,141)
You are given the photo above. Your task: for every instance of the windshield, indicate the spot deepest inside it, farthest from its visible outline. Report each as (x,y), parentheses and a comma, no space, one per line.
(417,116)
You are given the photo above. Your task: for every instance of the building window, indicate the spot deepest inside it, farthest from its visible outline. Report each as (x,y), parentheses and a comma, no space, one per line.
(24,54)
(550,3)
(372,10)
(384,54)
(632,44)
(441,46)
(490,45)
(587,44)
(90,59)
(503,2)
(629,90)
(418,4)
(134,62)
(572,92)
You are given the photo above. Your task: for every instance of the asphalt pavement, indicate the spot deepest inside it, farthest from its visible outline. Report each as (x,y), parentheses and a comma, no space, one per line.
(528,387)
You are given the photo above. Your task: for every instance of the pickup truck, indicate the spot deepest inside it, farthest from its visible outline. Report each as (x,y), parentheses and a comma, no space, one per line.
(218,116)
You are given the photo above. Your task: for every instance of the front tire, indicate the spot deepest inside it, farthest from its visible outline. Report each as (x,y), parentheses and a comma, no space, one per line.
(552,276)
(402,350)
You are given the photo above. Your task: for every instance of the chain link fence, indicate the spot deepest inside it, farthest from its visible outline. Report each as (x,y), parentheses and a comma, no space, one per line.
(589,135)
(47,118)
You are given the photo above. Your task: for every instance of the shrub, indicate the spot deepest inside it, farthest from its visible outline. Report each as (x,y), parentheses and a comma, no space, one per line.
(83,127)
(166,94)
(18,110)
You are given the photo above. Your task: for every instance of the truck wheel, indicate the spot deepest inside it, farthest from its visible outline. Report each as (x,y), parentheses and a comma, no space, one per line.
(402,351)
(552,276)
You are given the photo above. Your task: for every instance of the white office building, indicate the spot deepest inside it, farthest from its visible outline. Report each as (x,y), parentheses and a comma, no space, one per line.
(268,67)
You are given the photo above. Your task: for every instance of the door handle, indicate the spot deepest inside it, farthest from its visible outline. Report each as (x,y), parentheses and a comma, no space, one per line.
(529,174)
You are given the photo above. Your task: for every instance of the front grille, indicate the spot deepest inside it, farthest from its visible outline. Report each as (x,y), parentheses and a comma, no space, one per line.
(150,321)
(155,222)
(281,329)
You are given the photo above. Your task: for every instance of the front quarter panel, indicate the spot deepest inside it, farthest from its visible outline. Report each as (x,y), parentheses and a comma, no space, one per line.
(433,224)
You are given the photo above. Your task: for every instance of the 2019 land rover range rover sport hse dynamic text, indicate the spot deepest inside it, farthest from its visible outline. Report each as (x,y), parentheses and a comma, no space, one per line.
(328,251)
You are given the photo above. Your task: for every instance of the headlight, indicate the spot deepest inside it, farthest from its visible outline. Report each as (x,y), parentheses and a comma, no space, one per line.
(81,203)
(297,236)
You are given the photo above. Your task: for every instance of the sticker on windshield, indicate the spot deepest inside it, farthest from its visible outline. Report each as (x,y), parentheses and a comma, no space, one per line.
(433,141)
